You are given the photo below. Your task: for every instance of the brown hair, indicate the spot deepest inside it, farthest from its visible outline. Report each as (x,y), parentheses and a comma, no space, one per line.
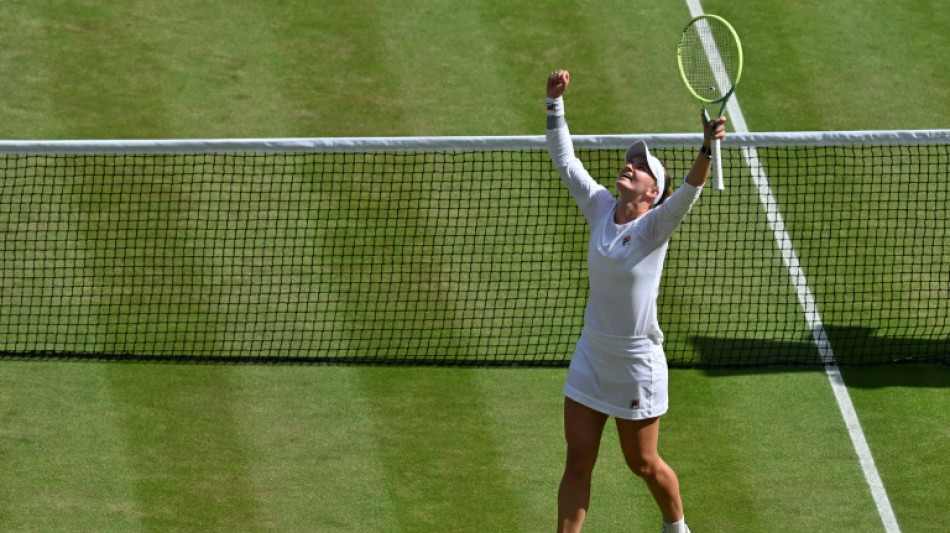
(667,190)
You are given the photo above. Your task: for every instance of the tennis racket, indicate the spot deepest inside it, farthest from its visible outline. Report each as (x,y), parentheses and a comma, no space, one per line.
(710,60)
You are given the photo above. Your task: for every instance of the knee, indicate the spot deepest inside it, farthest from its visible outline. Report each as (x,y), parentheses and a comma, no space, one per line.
(645,467)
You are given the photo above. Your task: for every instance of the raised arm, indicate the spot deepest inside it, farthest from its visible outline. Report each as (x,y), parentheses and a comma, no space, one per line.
(559,139)
(715,129)
(583,188)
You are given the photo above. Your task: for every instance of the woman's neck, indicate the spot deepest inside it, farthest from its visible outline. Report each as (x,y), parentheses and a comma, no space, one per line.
(629,211)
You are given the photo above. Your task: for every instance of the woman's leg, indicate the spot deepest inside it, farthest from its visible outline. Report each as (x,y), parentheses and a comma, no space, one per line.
(638,440)
(583,428)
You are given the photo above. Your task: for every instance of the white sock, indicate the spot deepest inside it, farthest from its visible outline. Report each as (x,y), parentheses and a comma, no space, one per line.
(676,527)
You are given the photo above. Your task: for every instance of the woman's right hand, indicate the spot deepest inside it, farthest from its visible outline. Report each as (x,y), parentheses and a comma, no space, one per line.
(557,83)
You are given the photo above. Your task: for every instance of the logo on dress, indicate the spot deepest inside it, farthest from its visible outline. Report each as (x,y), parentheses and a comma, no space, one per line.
(626,240)
(635,403)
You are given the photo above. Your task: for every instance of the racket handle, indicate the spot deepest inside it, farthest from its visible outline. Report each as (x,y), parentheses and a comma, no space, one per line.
(717,165)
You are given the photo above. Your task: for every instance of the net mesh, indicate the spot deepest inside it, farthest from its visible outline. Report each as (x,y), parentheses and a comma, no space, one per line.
(472,255)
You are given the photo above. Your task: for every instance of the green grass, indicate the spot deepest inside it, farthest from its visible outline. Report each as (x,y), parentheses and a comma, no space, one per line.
(836,65)
(143,447)
(162,69)
(411,449)
(909,450)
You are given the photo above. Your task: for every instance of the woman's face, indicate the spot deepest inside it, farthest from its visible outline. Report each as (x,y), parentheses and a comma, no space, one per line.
(635,177)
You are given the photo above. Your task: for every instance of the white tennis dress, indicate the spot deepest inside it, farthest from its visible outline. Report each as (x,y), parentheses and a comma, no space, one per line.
(619,367)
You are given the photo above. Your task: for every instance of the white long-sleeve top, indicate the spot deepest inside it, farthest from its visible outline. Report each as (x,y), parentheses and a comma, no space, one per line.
(624,261)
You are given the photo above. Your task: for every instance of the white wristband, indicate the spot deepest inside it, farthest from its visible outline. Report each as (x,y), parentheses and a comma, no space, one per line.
(555,106)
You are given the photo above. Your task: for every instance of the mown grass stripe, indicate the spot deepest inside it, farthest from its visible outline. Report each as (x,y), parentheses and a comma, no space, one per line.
(63,465)
(439,450)
(187,461)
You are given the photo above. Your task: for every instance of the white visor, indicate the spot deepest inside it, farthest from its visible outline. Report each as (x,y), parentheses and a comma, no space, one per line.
(639,148)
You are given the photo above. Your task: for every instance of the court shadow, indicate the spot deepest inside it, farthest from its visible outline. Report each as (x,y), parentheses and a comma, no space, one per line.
(867,359)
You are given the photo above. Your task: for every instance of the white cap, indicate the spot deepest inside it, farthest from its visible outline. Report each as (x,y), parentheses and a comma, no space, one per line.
(639,148)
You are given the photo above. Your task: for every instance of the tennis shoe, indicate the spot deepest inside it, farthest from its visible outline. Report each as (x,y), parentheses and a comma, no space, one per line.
(668,528)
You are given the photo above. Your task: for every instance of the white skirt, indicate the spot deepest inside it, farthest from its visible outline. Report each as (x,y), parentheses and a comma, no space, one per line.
(624,377)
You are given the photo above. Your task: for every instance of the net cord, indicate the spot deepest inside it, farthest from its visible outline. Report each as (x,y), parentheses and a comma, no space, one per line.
(462,143)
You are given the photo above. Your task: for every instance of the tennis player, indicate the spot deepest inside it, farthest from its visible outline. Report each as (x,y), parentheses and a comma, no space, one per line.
(619,368)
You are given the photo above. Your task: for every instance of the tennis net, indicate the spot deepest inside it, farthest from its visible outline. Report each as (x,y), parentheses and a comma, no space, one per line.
(463,251)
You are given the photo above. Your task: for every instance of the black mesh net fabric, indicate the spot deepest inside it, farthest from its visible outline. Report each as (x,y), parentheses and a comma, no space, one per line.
(463,257)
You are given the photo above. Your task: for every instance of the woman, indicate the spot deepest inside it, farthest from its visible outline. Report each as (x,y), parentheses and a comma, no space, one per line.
(619,367)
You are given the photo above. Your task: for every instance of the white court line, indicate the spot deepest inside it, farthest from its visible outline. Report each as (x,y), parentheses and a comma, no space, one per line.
(807,301)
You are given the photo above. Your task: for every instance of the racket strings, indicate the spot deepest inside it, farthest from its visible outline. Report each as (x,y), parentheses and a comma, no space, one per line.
(710,58)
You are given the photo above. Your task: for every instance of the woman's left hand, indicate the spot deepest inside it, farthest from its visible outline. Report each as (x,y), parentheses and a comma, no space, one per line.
(714,129)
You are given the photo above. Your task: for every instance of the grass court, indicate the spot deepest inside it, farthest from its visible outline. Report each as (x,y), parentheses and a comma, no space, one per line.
(93,446)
